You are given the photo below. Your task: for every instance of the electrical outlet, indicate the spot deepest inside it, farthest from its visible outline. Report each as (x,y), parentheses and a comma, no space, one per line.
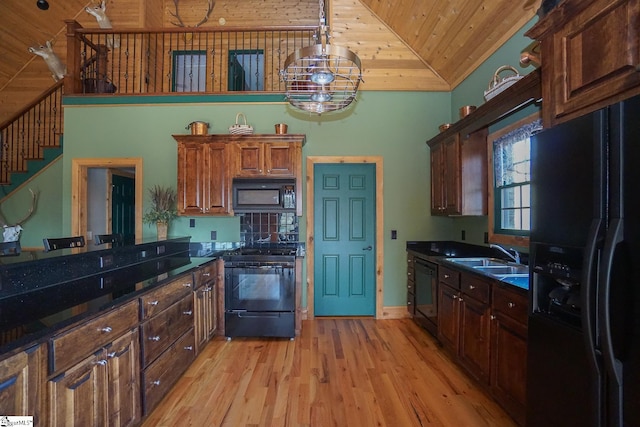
(214,235)
(463,235)
(192,222)
(106,261)
(486,237)
(160,250)
(394,234)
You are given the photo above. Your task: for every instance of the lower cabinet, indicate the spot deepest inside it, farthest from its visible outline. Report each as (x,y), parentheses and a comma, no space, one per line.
(483,324)
(21,383)
(509,351)
(102,389)
(205,305)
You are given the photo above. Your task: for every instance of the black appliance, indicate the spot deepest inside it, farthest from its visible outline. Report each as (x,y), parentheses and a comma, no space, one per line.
(584,326)
(426,291)
(264,195)
(260,292)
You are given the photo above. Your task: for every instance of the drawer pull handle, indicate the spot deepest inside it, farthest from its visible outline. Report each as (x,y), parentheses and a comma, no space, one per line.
(106,329)
(186,285)
(156,338)
(493,317)
(511,304)
(408,302)
(471,287)
(408,286)
(460,299)
(101,362)
(156,382)
(454,297)
(188,347)
(111,355)
(188,313)
(446,276)
(153,302)
(207,289)
(206,274)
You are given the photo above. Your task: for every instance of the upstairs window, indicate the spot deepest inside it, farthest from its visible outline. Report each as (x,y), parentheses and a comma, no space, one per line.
(510,215)
(189,71)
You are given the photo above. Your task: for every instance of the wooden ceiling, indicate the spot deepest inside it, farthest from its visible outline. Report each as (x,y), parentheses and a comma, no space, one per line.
(420,45)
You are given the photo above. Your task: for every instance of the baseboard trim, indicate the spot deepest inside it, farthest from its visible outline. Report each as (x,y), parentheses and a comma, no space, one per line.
(397,312)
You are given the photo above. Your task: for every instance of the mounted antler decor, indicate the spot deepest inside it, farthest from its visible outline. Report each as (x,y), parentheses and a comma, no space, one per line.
(11,233)
(100,13)
(57,68)
(180,23)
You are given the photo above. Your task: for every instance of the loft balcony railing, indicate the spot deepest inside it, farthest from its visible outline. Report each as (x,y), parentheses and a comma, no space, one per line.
(180,60)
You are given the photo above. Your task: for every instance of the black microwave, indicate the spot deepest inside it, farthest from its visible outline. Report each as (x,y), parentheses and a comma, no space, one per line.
(264,194)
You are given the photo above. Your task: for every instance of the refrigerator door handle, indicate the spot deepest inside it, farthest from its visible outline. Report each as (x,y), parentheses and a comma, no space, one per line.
(589,272)
(615,235)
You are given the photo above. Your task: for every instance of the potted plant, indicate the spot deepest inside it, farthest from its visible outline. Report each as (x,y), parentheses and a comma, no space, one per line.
(163,209)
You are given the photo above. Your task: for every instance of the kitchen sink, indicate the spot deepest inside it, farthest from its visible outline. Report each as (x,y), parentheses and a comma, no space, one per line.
(505,271)
(478,262)
(496,270)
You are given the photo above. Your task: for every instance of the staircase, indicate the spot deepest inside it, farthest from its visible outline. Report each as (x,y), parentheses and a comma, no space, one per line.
(31,139)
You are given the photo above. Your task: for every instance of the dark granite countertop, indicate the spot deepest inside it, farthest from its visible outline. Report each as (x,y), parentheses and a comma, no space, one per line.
(438,251)
(31,316)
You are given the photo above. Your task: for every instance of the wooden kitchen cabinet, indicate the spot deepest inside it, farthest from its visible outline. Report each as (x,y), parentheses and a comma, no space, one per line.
(102,389)
(205,305)
(277,159)
(203,178)
(475,344)
(509,350)
(459,175)
(22,383)
(207,165)
(411,285)
(590,56)
(448,317)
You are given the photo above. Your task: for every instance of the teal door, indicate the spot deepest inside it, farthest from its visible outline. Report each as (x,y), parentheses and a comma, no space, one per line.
(123,212)
(344,239)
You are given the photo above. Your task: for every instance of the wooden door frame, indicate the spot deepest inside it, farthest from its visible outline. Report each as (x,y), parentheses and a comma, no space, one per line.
(379,229)
(79,172)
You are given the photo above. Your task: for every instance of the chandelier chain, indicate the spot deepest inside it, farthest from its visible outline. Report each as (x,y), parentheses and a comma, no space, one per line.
(322,17)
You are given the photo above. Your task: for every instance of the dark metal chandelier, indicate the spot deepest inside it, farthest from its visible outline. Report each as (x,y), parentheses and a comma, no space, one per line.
(321,78)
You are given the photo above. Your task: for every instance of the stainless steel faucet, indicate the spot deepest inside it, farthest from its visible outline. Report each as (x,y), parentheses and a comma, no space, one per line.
(515,256)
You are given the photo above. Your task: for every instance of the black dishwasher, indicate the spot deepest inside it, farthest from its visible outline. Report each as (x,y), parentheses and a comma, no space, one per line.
(426,291)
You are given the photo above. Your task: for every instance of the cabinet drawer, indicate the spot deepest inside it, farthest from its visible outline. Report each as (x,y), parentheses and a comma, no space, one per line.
(161,298)
(204,274)
(475,287)
(162,330)
(163,373)
(510,303)
(448,276)
(70,347)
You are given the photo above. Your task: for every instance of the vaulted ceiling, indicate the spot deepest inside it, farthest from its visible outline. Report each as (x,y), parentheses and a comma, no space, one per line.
(420,45)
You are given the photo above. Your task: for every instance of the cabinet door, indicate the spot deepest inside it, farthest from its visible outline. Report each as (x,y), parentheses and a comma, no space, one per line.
(191,191)
(216,178)
(250,159)
(78,397)
(475,343)
(279,159)
(123,363)
(437,180)
(448,317)
(20,383)
(509,365)
(211,314)
(451,179)
(593,59)
(200,318)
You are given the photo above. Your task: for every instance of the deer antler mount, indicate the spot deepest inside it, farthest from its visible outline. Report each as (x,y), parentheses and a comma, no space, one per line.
(180,23)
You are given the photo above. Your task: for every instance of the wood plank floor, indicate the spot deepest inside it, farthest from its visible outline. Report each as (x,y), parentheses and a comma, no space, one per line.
(339,372)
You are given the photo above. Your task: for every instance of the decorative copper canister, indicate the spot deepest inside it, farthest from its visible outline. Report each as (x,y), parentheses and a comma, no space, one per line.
(198,128)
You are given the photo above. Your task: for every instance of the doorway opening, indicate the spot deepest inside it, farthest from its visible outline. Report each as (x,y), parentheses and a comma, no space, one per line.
(379,224)
(81,188)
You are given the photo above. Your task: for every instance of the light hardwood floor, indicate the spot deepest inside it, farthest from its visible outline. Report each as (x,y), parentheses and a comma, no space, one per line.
(339,372)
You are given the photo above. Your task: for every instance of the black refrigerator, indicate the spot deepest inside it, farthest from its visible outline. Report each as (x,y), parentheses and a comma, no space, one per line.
(583,361)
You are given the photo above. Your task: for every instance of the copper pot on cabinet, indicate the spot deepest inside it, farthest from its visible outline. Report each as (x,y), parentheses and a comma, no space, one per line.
(198,128)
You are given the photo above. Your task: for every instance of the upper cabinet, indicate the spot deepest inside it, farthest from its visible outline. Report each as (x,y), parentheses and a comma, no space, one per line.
(207,165)
(590,56)
(459,175)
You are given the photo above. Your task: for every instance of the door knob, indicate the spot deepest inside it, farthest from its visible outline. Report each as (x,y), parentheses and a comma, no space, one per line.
(368,248)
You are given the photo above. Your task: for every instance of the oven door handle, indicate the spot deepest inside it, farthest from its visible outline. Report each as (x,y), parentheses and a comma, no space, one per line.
(256,314)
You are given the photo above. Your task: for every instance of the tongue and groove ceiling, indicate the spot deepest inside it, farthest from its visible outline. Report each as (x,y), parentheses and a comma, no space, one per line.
(418,45)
